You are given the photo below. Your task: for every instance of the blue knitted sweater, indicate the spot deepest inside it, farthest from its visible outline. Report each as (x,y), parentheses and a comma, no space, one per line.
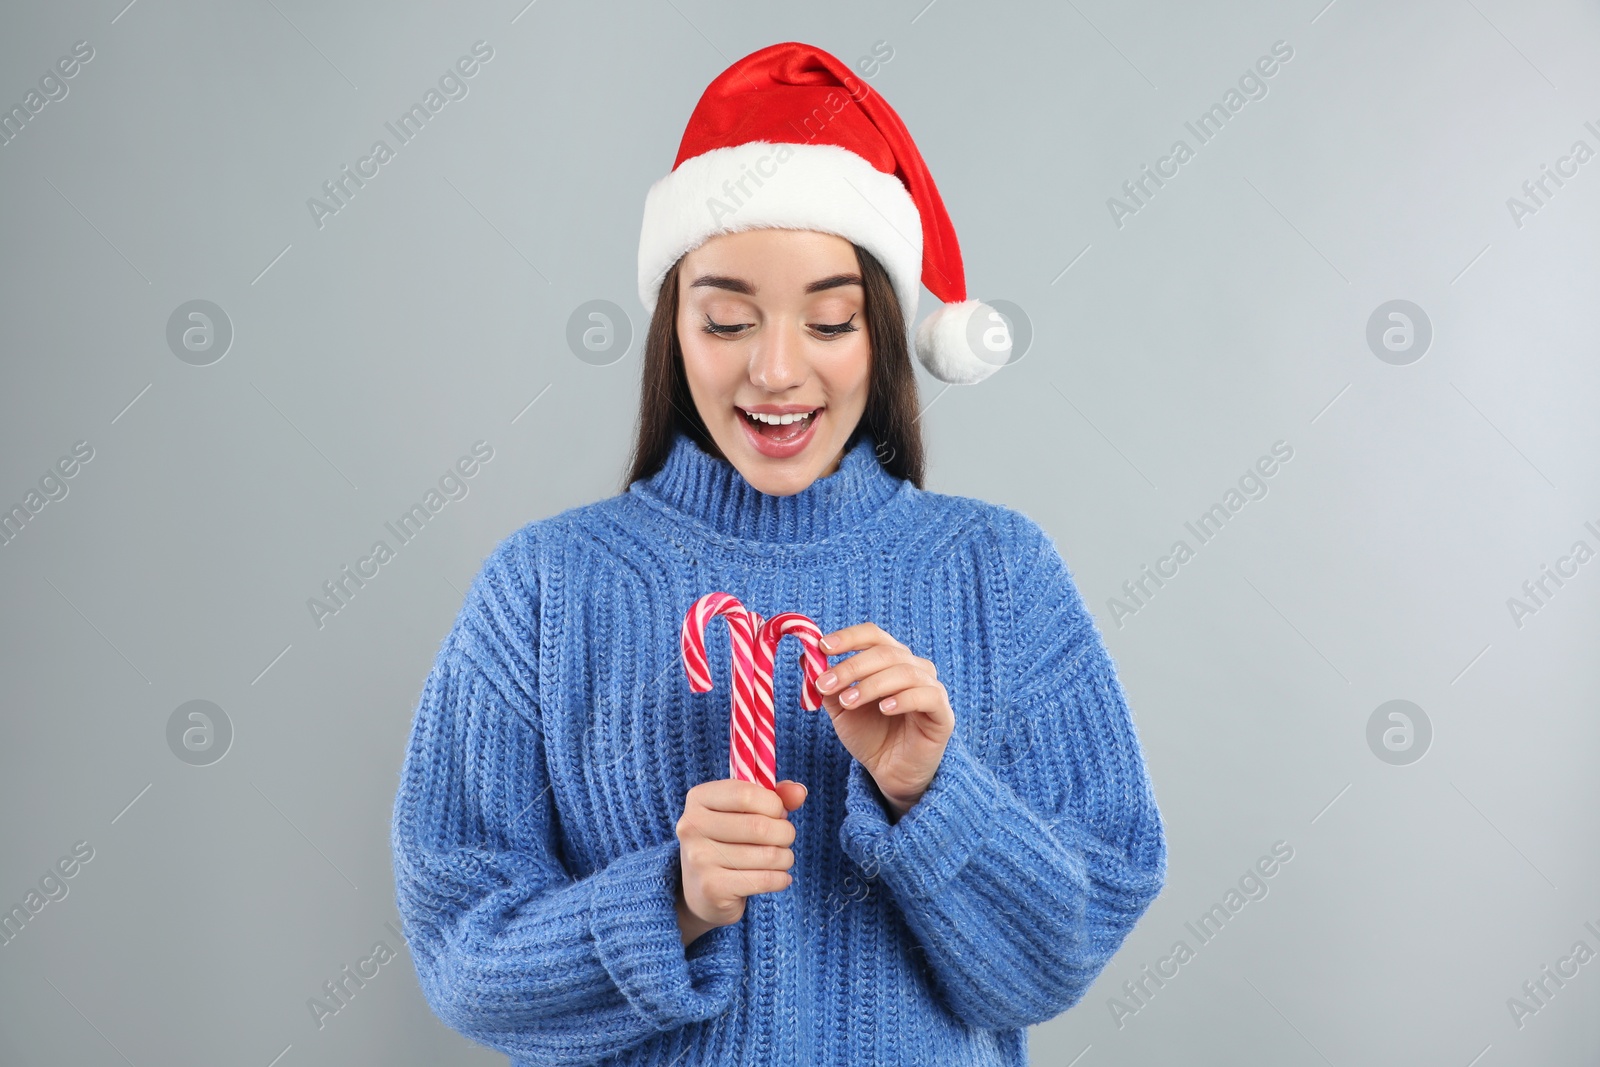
(534,843)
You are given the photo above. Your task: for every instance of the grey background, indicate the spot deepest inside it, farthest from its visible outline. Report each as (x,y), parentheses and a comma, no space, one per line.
(1229,313)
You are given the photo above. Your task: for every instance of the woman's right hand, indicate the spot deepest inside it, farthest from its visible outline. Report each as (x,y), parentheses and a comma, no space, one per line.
(733,842)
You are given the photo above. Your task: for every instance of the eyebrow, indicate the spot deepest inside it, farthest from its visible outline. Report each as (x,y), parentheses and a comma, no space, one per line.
(739,285)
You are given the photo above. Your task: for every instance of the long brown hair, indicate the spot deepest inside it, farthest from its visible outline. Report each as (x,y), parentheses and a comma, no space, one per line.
(891,415)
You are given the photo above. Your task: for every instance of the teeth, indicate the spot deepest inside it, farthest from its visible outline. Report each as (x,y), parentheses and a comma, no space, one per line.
(780,420)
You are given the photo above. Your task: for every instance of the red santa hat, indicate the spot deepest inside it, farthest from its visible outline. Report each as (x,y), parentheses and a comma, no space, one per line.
(788,137)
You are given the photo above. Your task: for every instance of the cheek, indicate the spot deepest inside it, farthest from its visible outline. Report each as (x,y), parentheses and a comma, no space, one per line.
(709,372)
(848,365)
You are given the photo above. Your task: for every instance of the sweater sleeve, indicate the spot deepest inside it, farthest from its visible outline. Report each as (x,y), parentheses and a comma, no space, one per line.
(510,949)
(1020,880)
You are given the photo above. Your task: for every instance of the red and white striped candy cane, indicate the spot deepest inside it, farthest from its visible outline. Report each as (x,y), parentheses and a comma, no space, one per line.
(769,635)
(813,661)
(743,628)
(752,750)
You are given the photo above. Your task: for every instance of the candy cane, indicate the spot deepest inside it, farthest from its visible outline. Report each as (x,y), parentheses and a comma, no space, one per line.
(740,631)
(813,661)
(752,753)
(743,628)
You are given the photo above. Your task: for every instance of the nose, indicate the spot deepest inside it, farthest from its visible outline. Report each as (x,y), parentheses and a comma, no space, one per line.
(777,361)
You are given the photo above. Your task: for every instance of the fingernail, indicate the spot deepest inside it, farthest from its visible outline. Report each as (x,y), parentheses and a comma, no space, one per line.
(849,696)
(826,643)
(888,704)
(827,680)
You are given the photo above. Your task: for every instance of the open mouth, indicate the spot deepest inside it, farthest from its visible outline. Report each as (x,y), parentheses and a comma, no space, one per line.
(781,428)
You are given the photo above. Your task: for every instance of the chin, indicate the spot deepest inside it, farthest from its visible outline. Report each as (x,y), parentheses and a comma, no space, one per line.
(780,476)
(777,483)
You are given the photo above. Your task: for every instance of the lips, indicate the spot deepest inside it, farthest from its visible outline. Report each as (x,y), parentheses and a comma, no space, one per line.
(780,431)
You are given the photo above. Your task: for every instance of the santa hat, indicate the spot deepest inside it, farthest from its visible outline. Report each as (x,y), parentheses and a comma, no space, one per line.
(788,137)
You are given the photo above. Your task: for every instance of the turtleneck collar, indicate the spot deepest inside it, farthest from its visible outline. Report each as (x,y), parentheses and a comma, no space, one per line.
(713,493)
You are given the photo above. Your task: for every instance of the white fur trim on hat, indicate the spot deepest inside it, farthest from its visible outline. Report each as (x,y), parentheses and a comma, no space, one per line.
(963,342)
(760,185)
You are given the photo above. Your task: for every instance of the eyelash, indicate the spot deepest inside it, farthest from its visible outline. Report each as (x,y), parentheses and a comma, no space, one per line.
(829,329)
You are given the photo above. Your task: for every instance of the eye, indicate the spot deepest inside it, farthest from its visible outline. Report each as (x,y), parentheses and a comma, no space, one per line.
(838,328)
(721,329)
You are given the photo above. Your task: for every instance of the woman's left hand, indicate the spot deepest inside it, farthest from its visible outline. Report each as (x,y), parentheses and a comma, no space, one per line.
(897,719)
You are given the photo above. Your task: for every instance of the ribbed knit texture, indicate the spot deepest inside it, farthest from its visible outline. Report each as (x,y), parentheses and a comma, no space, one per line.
(535,852)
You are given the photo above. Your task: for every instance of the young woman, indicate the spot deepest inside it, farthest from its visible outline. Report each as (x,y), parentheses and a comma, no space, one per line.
(964,833)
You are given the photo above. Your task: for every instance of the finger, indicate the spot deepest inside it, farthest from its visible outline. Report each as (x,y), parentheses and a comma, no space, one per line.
(720,881)
(851,638)
(696,850)
(737,795)
(792,793)
(860,665)
(748,883)
(738,857)
(740,828)
(930,700)
(883,683)
(877,686)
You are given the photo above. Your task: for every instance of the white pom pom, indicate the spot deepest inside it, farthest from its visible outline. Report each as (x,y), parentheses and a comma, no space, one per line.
(963,343)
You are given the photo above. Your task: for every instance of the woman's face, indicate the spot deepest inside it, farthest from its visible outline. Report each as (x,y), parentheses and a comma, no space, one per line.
(772,322)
